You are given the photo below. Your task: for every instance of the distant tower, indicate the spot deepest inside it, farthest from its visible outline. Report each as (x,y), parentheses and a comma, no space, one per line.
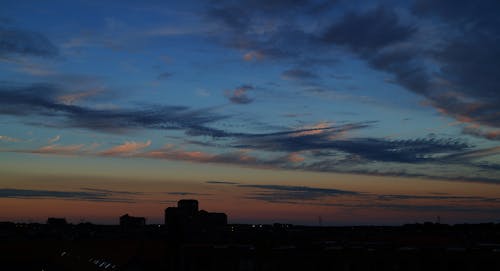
(186,216)
(188,206)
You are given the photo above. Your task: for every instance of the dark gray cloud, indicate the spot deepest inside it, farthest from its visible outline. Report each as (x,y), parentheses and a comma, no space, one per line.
(464,51)
(88,195)
(180,193)
(298,74)
(221,182)
(373,35)
(42,100)
(164,75)
(373,149)
(470,59)
(478,132)
(23,42)
(286,40)
(218,133)
(109,192)
(453,64)
(462,11)
(368,31)
(287,193)
(436,197)
(239,95)
(348,164)
(241,15)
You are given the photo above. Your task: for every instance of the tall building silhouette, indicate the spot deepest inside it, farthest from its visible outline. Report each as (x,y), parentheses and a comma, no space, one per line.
(187,216)
(128,221)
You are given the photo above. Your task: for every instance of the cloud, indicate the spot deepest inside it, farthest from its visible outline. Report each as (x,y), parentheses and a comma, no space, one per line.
(478,132)
(242,158)
(326,138)
(9,139)
(199,131)
(96,195)
(427,159)
(456,72)
(60,149)
(447,52)
(368,31)
(264,30)
(290,149)
(240,94)
(253,55)
(221,182)
(54,139)
(341,76)
(430,202)
(286,193)
(24,42)
(314,129)
(295,158)
(42,100)
(107,191)
(435,197)
(478,153)
(72,98)
(164,75)
(126,149)
(298,74)
(186,194)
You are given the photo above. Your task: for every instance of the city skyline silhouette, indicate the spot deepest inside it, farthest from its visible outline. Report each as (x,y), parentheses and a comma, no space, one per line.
(303,112)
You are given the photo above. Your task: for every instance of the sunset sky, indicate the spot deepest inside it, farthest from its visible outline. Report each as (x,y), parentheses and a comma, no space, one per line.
(298,111)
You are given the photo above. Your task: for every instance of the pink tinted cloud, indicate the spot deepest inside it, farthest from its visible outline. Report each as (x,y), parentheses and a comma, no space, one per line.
(169,152)
(253,55)
(313,129)
(295,157)
(239,95)
(60,149)
(9,139)
(127,148)
(72,98)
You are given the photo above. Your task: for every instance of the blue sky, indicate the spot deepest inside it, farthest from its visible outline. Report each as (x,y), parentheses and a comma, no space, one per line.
(396,89)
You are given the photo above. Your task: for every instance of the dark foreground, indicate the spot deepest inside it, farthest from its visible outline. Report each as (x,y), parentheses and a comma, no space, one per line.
(249,247)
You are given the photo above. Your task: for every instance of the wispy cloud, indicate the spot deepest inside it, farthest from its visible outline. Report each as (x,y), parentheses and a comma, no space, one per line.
(126,149)
(24,42)
(476,153)
(60,149)
(253,55)
(164,75)
(290,194)
(72,98)
(9,139)
(221,182)
(239,95)
(42,99)
(54,139)
(286,193)
(478,132)
(179,193)
(298,74)
(89,195)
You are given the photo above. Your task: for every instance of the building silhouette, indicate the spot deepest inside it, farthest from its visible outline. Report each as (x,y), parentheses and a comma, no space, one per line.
(56,221)
(128,221)
(187,216)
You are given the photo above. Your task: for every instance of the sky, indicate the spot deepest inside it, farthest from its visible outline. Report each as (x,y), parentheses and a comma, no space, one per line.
(295,111)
